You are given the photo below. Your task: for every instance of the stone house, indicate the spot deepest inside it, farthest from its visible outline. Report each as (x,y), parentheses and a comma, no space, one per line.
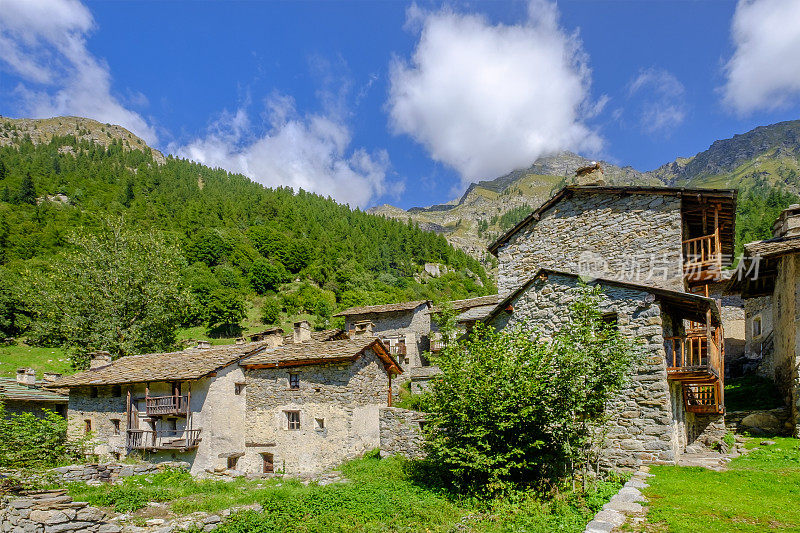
(256,407)
(658,253)
(403,327)
(771,288)
(27,395)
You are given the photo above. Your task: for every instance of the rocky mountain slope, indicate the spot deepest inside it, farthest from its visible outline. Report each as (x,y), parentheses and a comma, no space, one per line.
(41,131)
(767,155)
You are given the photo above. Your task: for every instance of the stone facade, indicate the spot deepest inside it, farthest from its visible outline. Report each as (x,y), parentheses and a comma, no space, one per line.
(412,326)
(648,421)
(337,408)
(786,323)
(612,235)
(401,432)
(215,409)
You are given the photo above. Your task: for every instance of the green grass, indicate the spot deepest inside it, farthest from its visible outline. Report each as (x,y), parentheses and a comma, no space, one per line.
(40,359)
(751,392)
(760,492)
(380,496)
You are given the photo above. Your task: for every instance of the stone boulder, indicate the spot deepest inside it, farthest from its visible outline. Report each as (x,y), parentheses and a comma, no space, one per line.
(761,423)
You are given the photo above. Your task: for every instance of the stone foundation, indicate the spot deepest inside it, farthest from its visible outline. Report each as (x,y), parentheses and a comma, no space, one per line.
(112,471)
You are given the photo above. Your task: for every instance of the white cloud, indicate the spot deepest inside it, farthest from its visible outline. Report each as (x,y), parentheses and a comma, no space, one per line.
(663,106)
(764,72)
(44,43)
(311,152)
(489,98)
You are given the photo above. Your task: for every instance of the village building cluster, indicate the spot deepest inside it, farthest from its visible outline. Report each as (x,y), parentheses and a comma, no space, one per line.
(307,401)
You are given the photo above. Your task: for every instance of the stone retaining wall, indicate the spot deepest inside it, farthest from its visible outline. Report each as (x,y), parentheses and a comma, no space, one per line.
(51,512)
(401,432)
(111,471)
(773,421)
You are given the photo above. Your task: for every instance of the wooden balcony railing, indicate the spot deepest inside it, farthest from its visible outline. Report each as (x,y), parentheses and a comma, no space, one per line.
(702,257)
(167,405)
(437,345)
(702,398)
(693,353)
(181,439)
(397,349)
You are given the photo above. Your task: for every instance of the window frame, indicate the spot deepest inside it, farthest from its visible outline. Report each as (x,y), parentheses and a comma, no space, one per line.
(294,381)
(292,420)
(116,426)
(760,324)
(238,388)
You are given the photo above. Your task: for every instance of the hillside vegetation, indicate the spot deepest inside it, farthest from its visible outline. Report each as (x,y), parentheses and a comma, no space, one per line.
(281,253)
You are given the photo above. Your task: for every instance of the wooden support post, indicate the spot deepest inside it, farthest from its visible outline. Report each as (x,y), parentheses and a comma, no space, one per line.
(189,407)
(127,417)
(389,403)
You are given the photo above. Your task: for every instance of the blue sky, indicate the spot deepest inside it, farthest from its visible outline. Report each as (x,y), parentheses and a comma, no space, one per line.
(394,102)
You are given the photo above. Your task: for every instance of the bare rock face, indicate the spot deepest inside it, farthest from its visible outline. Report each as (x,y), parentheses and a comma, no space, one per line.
(761,423)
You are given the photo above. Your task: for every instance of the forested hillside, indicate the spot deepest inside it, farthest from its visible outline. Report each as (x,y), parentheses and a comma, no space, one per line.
(293,253)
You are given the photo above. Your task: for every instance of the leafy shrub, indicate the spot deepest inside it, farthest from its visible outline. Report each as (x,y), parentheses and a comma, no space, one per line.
(27,441)
(270,311)
(124,498)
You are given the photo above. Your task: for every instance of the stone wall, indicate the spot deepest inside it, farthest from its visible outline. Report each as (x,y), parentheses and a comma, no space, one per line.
(786,323)
(648,423)
(401,432)
(51,512)
(110,472)
(412,326)
(609,234)
(338,407)
(757,355)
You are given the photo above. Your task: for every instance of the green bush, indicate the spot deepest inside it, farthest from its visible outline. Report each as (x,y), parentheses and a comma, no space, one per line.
(124,499)
(270,311)
(27,441)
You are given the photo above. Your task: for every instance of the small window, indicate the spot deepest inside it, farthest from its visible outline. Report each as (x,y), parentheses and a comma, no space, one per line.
(294,381)
(238,389)
(267,463)
(93,392)
(757,326)
(87,426)
(116,391)
(319,423)
(115,424)
(232,463)
(293,419)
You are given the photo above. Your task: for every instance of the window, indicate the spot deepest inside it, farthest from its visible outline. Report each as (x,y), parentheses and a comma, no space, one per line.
(293,419)
(232,463)
(116,391)
(238,389)
(319,423)
(294,381)
(93,392)
(115,424)
(87,426)
(267,463)
(757,326)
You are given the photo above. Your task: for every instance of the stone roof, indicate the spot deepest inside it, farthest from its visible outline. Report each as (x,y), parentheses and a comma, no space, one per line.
(320,352)
(189,364)
(726,197)
(476,313)
(10,389)
(693,305)
(774,247)
(386,308)
(469,303)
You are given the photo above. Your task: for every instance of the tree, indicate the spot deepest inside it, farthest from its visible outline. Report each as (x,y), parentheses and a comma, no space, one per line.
(27,190)
(270,311)
(267,276)
(512,408)
(226,310)
(116,290)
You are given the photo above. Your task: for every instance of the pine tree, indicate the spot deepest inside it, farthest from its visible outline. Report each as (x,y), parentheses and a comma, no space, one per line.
(27,192)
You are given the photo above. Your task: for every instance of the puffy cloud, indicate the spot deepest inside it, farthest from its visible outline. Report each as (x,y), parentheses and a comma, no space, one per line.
(489,98)
(43,42)
(311,152)
(764,72)
(663,106)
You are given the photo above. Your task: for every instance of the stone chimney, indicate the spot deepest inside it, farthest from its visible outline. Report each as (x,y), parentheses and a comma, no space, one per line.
(99,359)
(274,338)
(788,223)
(591,174)
(203,345)
(50,377)
(302,332)
(26,376)
(362,329)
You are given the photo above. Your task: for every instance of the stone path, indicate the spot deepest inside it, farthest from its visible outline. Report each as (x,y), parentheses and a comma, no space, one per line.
(624,505)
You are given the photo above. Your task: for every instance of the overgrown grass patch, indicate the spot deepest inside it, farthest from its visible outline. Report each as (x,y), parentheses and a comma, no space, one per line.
(751,392)
(41,359)
(381,495)
(758,493)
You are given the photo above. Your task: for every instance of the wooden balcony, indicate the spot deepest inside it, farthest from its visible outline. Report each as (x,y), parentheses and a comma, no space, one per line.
(437,345)
(703,398)
(397,349)
(173,405)
(702,258)
(692,356)
(181,440)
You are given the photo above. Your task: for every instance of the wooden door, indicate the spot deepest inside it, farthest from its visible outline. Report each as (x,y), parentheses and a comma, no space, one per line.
(268,464)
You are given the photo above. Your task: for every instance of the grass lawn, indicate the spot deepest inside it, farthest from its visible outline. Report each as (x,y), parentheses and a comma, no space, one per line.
(759,492)
(40,359)
(380,497)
